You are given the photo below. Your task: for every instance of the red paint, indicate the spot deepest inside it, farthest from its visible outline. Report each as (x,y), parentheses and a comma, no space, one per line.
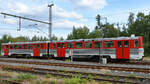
(6,50)
(36,50)
(122,51)
(60,50)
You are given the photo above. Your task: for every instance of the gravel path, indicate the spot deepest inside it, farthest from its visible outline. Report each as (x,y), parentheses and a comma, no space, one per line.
(79,69)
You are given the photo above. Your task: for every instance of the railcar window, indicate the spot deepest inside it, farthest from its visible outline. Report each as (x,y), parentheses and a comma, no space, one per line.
(6,46)
(98,44)
(88,45)
(3,47)
(63,45)
(38,46)
(19,46)
(15,46)
(11,46)
(58,45)
(34,45)
(126,43)
(119,44)
(109,44)
(54,45)
(42,45)
(25,46)
(136,43)
(30,46)
(69,45)
(78,45)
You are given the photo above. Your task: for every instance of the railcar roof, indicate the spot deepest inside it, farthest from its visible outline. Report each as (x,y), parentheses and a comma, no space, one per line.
(76,40)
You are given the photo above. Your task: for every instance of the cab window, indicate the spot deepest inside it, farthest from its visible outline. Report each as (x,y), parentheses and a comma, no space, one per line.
(109,44)
(136,43)
(88,45)
(78,45)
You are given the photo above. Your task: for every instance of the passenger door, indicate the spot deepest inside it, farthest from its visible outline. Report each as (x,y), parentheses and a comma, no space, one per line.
(126,49)
(123,49)
(36,50)
(60,49)
(6,50)
(119,50)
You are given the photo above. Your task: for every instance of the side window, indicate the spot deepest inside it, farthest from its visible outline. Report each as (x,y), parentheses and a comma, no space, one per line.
(109,44)
(136,43)
(20,46)
(69,45)
(63,45)
(24,46)
(38,46)
(15,46)
(126,43)
(54,45)
(3,47)
(30,46)
(34,45)
(78,45)
(58,45)
(11,46)
(119,44)
(6,46)
(42,46)
(98,44)
(88,45)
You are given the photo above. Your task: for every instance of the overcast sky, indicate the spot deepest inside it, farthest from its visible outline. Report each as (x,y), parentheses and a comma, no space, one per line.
(66,14)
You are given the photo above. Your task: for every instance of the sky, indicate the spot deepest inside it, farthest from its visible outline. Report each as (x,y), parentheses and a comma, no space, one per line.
(65,14)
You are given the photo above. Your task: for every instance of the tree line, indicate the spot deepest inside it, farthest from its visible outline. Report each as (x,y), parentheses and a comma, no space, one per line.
(137,24)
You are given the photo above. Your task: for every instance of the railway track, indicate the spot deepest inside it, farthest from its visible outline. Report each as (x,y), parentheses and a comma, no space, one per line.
(134,62)
(98,77)
(130,69)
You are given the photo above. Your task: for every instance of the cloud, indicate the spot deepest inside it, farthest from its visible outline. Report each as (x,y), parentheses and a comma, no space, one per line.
(63,19)
(66,24)
(89,4)
(10,21)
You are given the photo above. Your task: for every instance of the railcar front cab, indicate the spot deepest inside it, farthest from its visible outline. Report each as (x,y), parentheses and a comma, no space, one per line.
(130,49)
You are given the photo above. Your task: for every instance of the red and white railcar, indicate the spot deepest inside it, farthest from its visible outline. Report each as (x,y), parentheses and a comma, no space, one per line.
(113,48)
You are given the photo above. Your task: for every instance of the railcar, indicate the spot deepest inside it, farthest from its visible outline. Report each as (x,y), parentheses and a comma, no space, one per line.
(111,48)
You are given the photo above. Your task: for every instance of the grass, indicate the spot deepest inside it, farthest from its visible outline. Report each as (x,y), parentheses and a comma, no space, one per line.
(75,80)
(48,76)
(132,75)
(22,77)
(26,78)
